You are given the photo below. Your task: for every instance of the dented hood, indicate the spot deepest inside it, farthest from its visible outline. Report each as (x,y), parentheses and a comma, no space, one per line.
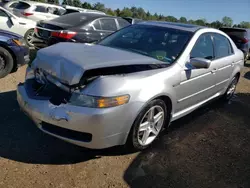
(68,61)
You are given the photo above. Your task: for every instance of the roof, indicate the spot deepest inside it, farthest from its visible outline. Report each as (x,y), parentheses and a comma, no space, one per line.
(90,15)
(40,3)
(174,25)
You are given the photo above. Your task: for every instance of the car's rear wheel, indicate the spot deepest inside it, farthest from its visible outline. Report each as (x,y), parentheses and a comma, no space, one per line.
(28,37)
(148,125)
(6,62)
(231,89)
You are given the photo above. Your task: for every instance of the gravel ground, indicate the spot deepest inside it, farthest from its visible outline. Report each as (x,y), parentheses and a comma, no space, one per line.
(209,148)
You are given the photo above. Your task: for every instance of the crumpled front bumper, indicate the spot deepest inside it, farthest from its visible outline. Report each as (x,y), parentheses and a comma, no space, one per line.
(106,127)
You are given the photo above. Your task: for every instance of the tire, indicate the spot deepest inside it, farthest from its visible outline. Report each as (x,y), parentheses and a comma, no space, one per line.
(28,36)
(135,138)
(6,62)
(231,89)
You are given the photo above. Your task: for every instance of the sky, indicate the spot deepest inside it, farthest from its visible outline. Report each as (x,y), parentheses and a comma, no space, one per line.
(211,10)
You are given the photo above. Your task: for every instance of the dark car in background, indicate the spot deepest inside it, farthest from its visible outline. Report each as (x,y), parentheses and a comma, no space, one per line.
(14,52)
(76,27)
(241,38)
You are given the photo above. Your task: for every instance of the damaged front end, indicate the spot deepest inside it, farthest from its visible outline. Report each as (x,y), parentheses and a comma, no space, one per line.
(43,86)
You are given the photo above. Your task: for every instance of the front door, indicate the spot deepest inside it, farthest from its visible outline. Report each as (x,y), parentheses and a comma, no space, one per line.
(224,59)
(197,85)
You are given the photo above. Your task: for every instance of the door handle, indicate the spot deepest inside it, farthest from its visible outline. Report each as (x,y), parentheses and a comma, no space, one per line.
(214,71)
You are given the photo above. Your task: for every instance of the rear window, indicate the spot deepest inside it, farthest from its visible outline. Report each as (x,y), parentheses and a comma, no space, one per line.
(234,32)
(22,5)
(123,23)
(73,19)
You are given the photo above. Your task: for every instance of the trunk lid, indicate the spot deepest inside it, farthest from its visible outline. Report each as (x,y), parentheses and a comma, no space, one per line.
(68,61)
(44,28)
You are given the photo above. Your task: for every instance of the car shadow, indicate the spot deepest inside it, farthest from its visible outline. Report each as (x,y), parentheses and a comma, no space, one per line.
(22,141)
(208,148)
(247,75)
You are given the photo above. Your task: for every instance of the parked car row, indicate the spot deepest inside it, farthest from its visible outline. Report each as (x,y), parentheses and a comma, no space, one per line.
(241,38)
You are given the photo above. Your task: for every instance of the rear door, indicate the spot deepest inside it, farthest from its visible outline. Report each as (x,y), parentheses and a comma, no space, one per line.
(108,26)
(41,13)
(224,60)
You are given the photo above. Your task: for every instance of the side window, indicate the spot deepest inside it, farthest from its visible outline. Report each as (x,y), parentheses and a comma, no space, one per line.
(203,47)
(123,23)
(3,14)
(108,24)
(97,25)
(222,45)
(41,9)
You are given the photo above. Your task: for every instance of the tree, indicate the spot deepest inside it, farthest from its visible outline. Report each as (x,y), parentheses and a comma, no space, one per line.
(126,12)
(183,20)
(99,6)
(109,11)
(217,24)
(200,22)
(118,12)
(245,24)
(53,2)
(67,2)
(171,19)
(86,5)
(227,21)
(77,3)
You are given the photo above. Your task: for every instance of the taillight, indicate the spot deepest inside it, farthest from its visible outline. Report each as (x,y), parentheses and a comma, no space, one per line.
(245,40)
(63,34)
(27,13)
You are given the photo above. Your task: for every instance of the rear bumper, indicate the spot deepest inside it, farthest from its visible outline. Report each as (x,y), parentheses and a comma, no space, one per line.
(39,43)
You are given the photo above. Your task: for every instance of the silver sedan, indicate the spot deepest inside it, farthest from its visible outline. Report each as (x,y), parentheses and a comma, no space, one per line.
(129,86)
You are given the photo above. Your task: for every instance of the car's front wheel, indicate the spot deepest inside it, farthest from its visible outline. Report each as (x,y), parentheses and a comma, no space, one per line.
(148,125)
(6,62)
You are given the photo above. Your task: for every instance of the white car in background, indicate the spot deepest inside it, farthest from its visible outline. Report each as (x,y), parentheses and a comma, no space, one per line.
(37,11)
(21,26)
(72,9)
(10,5)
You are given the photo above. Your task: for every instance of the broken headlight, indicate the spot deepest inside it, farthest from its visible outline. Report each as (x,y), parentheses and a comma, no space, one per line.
(78,99)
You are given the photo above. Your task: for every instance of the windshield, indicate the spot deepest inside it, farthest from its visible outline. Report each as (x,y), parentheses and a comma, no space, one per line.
(162,43)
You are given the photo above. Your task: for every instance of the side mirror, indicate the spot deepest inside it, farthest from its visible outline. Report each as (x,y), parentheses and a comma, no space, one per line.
(200,63)
(10,20)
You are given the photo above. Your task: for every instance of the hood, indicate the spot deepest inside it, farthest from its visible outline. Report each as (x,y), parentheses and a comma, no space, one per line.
(68,61)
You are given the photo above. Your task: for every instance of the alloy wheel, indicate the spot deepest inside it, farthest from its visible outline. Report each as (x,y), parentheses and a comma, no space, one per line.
(29,38)
(150,125)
